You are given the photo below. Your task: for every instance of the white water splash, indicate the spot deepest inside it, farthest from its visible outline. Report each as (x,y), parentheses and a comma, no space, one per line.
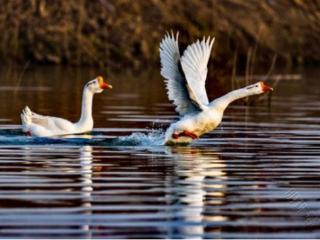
(153,138)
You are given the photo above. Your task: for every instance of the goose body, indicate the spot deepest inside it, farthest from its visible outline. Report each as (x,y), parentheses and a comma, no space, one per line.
(38,125)
(185,78)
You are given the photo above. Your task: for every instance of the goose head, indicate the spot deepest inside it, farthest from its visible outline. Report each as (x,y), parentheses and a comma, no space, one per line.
(97,85)
(258,88)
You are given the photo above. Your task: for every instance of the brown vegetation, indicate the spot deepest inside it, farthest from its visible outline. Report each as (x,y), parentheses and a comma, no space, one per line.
(126,33)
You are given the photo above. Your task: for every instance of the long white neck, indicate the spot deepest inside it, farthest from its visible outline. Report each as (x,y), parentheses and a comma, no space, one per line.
(86,109)
(223,102)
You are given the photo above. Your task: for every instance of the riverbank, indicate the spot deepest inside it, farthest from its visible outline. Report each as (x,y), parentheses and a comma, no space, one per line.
(126,34)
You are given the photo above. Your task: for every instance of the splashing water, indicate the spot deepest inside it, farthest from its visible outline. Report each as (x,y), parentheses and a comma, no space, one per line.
(16,137)
(153,138)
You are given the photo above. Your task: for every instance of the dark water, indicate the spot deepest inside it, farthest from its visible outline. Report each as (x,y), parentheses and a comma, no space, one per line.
(256,176)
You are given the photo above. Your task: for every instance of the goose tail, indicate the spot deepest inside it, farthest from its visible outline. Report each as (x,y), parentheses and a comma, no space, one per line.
(26,119)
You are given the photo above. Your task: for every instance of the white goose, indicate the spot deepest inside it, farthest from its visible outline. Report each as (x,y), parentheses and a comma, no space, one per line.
(185,82)
(45,126)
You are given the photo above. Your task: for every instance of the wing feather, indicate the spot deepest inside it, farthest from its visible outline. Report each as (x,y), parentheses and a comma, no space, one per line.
(194,64)
(53,123)
(176,84)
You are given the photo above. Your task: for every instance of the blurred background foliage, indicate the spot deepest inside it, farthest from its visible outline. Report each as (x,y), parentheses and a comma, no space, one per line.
(125,34)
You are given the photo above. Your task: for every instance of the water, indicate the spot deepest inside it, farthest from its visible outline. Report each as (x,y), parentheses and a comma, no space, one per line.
(256,176)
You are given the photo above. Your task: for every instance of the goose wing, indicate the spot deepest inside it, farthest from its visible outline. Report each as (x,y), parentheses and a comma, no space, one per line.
(176,84)
(194,64)
(42,121)
(51,123)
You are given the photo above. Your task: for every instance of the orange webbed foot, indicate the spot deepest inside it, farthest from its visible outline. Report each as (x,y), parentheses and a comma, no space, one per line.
(185,133)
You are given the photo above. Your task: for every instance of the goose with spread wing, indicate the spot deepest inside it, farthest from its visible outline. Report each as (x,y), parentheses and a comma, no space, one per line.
(34,124)
(185,79)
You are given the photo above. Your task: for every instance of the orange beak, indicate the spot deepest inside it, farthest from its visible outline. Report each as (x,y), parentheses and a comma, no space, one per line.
(265,87)
(103,85)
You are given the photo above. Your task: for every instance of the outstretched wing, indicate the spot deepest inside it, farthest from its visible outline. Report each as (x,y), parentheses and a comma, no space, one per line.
(194,64)
(176,84)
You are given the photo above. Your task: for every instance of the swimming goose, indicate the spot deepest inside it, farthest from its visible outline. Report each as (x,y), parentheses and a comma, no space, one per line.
(185,82)
(45,126)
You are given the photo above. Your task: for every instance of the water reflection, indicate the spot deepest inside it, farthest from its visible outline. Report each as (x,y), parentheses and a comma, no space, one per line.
(86,187)
(256,176)
(200,183)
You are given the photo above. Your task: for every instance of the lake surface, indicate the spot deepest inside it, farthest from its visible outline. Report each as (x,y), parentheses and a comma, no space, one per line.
(256,176)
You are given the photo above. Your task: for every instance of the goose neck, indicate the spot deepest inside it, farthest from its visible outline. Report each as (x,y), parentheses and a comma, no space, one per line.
(223,102)
(86,106)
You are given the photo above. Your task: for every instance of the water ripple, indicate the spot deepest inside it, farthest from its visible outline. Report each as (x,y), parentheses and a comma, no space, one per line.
(255,176)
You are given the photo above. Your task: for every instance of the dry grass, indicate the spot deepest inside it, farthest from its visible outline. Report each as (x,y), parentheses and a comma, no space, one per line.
(125,33)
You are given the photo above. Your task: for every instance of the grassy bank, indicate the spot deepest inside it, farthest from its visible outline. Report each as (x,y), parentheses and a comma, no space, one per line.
(126,34)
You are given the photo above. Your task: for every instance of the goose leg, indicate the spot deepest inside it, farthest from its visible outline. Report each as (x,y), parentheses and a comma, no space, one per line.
(185,133)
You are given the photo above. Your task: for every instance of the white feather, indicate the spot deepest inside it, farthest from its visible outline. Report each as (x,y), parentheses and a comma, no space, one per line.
(176,85)
(188,91)
(47,126)
(194,64)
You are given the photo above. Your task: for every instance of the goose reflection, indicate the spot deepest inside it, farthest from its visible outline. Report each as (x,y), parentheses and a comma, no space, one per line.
(201,183)
(86,187)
